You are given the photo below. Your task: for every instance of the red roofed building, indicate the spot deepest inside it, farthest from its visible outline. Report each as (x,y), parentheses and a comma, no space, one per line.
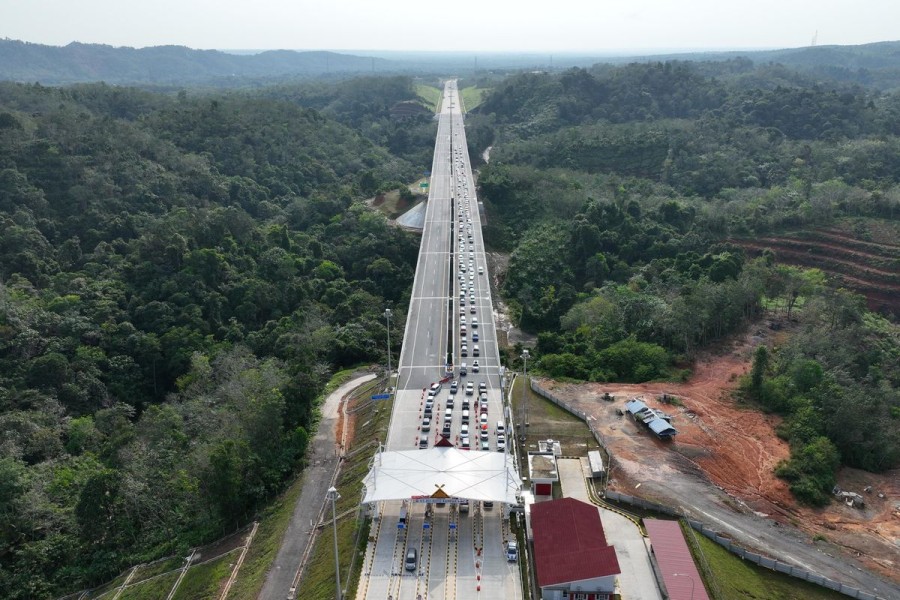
(571,556)
(680,577)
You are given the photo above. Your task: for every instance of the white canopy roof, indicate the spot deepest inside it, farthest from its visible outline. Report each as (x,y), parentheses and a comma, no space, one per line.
(469,474)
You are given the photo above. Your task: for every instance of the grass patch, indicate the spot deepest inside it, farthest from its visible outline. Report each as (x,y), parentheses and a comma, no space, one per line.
(431,96)
(730,578)
(472,97)
(318,578)
(273,522)
(205,581)
(151,589)
(549,421)
(157,568)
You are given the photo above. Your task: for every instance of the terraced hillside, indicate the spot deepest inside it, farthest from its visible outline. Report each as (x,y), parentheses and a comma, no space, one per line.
(863,253)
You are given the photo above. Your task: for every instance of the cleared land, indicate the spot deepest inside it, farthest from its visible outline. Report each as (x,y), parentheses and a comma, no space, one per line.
(863,253)
(720,469)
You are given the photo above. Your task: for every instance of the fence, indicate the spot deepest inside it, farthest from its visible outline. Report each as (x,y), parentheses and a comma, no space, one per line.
(763,561)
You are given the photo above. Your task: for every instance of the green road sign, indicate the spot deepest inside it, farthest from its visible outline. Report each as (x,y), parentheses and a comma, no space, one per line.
(423,185)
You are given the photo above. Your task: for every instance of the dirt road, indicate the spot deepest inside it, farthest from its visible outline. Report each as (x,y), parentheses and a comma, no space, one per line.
(323,458)
(720,470)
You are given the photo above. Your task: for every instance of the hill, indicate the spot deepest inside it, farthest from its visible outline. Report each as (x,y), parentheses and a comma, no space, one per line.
(873,65)
(77,62)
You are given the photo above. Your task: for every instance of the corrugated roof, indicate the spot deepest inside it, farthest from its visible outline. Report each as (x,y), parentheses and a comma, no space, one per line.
(675,562)
(569,543)
(661,427)
(635,405)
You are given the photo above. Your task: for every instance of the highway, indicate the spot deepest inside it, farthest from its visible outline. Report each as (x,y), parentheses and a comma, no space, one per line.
(460,554)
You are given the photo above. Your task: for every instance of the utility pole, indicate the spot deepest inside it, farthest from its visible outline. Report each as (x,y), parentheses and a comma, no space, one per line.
(525,355)
(387,315)
(333,496)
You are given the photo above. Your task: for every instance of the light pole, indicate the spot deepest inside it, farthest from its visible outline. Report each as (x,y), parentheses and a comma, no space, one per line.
(689,577)
(333,495)
(387,315)
(524,393)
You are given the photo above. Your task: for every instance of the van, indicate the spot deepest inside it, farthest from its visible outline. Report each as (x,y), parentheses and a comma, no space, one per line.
(463,369)
(465,416)
(501,428)
(464,507)
(512,551)
(412,559)
(448,414)
(476,351)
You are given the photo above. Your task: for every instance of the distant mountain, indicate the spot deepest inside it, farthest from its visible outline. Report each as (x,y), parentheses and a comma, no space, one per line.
(77,62)
(874,65)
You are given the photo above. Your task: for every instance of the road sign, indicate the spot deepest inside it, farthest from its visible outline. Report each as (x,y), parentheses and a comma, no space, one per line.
(381,396)
(426,173)
(423,185)
(426,526)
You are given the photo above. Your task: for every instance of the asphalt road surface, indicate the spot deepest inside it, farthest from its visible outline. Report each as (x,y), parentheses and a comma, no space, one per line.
(460,555)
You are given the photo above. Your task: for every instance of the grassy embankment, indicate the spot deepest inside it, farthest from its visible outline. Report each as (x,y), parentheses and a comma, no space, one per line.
(472,97)
(431,96)
(730,578)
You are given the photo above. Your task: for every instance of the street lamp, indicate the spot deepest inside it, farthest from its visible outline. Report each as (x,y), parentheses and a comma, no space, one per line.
(333,495)
(525,356)
(387,315)
(689,577)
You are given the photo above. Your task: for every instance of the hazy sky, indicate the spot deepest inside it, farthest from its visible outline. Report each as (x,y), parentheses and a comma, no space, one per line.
(477,25)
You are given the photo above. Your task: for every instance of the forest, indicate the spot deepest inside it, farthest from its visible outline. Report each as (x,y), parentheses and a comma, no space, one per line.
(180,274)
(621,195)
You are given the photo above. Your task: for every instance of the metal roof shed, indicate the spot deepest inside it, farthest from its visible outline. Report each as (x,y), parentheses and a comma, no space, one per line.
(676,565)
(662,428)
(635,406)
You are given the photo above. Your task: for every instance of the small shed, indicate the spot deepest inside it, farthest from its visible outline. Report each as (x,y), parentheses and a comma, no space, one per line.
(662,428)
(636,405)
(543,472)
(596,461)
